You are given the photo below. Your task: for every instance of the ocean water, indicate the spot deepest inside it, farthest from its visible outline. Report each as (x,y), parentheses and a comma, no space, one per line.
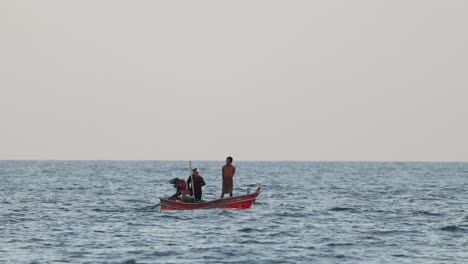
(308,212)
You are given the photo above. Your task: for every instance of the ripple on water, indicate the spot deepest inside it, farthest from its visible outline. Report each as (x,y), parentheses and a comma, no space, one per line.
(344,209)
(394,232)
(292,214)
(340,244)
(427,213)
(130,261)
(453,228)
(250,230)
(260,242)
(165,253)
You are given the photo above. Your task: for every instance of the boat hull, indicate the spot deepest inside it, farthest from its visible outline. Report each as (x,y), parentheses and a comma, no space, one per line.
(238,202)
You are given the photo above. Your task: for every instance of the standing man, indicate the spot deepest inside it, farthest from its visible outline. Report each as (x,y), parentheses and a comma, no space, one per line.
(198,182)
(228,174)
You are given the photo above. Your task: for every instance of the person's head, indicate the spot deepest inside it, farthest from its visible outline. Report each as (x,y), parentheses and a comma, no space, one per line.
(174,182)
(195,171)
(228,160)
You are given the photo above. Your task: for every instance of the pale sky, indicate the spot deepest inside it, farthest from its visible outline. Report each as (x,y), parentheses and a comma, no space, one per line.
(258,80)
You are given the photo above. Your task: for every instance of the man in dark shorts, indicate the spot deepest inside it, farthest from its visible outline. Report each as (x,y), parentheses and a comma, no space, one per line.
(228,175)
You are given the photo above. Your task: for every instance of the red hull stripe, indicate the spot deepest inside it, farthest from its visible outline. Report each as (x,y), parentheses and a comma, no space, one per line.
(240,202)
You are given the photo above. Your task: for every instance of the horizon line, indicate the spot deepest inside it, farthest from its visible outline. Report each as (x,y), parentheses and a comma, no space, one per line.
(250,160)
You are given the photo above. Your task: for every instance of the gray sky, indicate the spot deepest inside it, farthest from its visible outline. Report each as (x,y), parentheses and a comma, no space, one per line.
(258,80)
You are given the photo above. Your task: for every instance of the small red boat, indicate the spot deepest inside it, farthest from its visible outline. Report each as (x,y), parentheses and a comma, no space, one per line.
(237,202)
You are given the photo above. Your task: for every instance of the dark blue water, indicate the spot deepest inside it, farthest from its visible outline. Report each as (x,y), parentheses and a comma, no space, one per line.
(309,212)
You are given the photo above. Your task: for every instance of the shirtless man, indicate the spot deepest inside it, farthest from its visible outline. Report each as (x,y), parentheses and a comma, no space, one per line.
(228,174)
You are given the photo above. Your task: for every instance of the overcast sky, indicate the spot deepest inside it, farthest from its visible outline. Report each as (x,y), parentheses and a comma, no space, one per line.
(258,80)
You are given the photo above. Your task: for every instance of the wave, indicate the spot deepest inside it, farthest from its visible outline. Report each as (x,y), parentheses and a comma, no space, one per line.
(452,228)
(165,253)
(400,255)
(295,215)
(260,242)
(427,213)
(130,261)
(340,244)
(251,230)
(110,210)
(393,232)
(341,209)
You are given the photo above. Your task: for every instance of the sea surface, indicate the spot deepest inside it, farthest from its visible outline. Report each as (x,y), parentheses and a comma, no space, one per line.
(308,212)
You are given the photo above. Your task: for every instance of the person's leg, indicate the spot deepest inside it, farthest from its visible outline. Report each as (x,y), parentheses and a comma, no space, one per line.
(198,195)
(230,194)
